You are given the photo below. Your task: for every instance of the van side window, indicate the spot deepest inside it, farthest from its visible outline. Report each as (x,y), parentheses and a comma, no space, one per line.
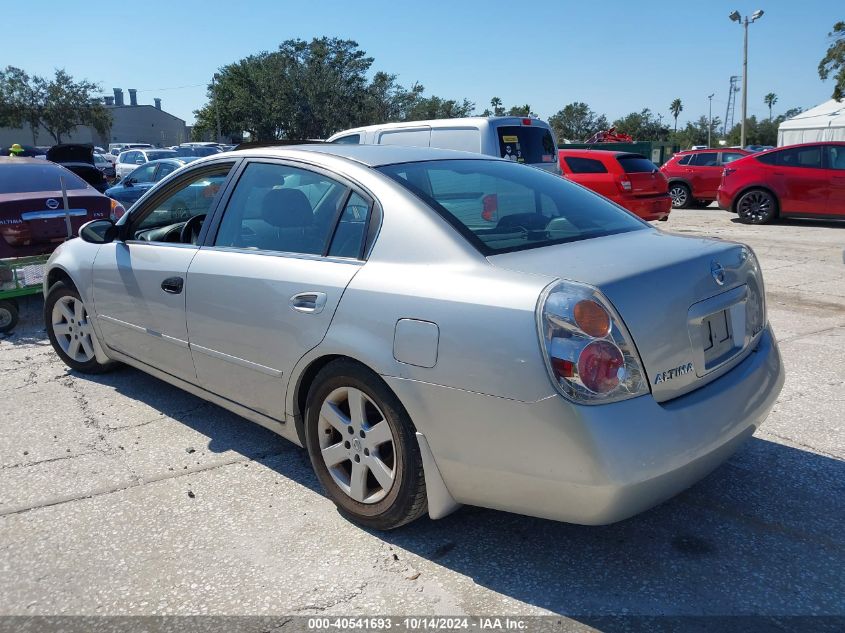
(461,139)
(349,139)
(418,137)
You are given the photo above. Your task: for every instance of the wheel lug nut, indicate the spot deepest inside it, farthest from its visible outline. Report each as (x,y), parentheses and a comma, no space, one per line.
(351,430)
(346,445)
(357,458)
(367,452)
(361,433)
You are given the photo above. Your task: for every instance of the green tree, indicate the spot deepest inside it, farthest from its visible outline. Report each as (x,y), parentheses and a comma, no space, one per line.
(643,126)
(834,60)
(523,110)
(770,100)
(675,108)
(20,100)
(498,108)
(576,122)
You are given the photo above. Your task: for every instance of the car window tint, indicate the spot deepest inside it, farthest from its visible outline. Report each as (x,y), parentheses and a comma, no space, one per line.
(194,197)
(635,164)
(705,159)
(683,160)
(729,157)
(499,206)
(160,154)
(836,156)
(143,174)
(349,139)
(165,169)
(584,165)
(801,157)
(349,234)
(15,178)
(526,144)
(281,208)
(769,159)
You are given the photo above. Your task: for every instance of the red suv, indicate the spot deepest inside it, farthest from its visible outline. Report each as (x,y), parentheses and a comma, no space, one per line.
(798,181)
(695,175)
(630,180)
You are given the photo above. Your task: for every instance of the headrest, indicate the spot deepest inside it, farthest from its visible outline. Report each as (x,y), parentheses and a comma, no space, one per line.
(286,209)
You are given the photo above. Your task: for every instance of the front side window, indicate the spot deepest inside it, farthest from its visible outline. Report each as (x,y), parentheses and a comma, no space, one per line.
(684,160)
(501,207)
(836,156)
(143,174)
(162,220)
(127,157)
(165,169)
(705,159)
(584,165)
(281,208)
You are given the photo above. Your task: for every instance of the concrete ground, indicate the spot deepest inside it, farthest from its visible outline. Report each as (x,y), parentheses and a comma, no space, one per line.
(120,494)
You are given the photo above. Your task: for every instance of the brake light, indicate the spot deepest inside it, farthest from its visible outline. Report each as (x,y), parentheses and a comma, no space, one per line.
(589,354)
(16,234)
(625,184)
(526,121)
(117,210)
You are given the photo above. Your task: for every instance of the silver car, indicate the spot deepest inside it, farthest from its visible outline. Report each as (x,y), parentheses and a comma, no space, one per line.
(437,328)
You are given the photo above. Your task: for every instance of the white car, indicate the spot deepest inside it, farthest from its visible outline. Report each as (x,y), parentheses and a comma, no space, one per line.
(128,161)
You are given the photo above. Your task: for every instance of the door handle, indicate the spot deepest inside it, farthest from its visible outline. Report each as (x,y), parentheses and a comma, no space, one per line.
(308,302)
(173,285)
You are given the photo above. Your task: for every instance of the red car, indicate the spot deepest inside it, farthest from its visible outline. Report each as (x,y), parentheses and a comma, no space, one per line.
(32,214)
(797,181)
(695,175)
(630,180)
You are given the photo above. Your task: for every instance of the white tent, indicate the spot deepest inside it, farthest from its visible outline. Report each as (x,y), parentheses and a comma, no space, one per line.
(825,122)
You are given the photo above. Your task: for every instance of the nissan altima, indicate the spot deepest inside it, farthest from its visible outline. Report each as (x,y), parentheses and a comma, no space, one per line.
(434,327)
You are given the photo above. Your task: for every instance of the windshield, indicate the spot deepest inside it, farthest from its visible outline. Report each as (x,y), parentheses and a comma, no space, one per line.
(501,207)
(32,177)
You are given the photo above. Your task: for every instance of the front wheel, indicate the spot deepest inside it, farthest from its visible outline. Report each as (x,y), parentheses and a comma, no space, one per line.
(757,206)
(363,447)
(681,195)
(70,330)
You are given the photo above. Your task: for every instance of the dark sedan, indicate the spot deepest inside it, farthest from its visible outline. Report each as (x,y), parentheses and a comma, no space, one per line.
(136,184)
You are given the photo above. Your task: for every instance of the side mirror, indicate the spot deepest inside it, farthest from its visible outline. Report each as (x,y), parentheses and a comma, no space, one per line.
(98,231)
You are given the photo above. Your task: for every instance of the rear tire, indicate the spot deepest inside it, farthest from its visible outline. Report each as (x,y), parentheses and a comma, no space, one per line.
(70,331)
(8,316)
(363,447)
(756,206)
(681,195)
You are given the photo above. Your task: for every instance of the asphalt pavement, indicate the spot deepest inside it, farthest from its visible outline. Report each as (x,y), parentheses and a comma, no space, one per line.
(122,495)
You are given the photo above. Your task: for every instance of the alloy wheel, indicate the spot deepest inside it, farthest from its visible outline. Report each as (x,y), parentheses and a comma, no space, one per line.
(756,206)
(679,196)
(72,329)
(357,445)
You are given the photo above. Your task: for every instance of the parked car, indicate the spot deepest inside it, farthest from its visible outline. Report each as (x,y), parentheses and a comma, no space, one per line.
(758,148)
(519,139)
(32,214)
(79,158)
(197,151)
(396,310)
(802,181)
(137,183)
(104,165)
(129,160)
(630,180)
(117,148)
(694,175)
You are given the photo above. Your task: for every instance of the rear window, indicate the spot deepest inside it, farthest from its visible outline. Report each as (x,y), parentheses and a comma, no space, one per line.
(526,144)
(636,164)
(26,178)
(584,165)
(500,207)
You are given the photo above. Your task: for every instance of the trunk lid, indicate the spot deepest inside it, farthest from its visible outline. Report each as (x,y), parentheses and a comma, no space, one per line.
(34,223)
(644,176)
(688,328)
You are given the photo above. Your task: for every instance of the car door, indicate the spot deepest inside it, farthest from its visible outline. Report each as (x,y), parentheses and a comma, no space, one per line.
(802,185)
(139,281)
(127,163)
(264,287)
(705,174)
(138,182)
(836,169)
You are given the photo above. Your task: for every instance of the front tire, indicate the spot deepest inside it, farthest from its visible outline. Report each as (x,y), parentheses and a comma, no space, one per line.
(756,206)
(70,330)
(363,447)
(681,195)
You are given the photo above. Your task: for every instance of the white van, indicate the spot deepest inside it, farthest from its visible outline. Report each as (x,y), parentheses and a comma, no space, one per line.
(521,139)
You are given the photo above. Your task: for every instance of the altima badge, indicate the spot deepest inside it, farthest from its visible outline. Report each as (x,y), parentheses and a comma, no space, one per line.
(669,374)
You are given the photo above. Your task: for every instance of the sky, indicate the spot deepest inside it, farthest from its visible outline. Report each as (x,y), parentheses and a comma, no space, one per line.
(618,56)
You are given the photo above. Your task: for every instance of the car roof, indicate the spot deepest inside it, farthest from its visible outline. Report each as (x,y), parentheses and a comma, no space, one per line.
(370,155)
(711,149)
(25,160)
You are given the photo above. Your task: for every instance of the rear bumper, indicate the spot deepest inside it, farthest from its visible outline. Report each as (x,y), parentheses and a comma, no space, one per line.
(649,208)
(590,464)
(724,200)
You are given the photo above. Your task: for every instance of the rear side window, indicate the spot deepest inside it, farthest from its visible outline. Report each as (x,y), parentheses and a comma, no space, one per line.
(350,139)
(801,157)
(705,159)
(348,239)
(526,144)
(636,164)
(25,178)
(584,165)
(729,157)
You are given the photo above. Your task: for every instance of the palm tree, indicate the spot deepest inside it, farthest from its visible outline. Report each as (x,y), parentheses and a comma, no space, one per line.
(675,108)
(770,100)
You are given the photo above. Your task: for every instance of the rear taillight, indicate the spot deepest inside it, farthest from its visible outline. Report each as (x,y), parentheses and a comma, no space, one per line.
(728,171)
(625,185)
(755,302)
(589,354)
(117,210)
(16,234)
(526,121)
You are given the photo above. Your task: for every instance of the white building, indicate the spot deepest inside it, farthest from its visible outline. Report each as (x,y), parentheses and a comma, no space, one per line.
(825,122)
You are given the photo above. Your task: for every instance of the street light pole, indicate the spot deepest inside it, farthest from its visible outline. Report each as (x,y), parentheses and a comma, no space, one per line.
(710,118)
(736,17)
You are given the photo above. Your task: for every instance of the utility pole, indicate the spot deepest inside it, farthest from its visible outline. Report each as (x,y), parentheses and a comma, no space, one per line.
(710,118)
(736,17)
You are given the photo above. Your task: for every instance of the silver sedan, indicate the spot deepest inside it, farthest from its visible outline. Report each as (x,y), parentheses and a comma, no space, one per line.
(436,328)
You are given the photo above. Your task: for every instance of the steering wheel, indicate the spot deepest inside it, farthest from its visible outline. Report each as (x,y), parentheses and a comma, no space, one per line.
(190,232)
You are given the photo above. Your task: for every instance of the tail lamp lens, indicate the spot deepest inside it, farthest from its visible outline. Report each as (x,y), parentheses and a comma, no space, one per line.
(625,184)
(117,210)
(590,355)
